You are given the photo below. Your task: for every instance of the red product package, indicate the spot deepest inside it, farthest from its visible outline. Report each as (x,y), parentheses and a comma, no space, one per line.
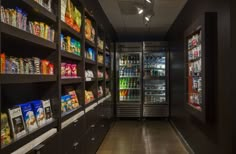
(51,69)
(68,70)
(74,70)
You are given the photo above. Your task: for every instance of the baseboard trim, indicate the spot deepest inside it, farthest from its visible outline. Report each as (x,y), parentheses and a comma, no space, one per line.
(184,142)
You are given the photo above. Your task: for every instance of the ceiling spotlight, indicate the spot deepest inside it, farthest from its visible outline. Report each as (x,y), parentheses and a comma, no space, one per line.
(149,1)
(140,10)
(148,17)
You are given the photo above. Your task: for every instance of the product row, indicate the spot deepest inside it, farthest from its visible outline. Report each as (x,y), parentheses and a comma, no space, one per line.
(129,71)
(14,65)
(24,118)
(71,15)
(70,45)
(129,83)
(129,59)
(89,96)
(195,68)
(69,70)
(152,99)
(194,40)
(195,53)
(152,61)
(18,18)
(154,72)
(126,95)
(69,101)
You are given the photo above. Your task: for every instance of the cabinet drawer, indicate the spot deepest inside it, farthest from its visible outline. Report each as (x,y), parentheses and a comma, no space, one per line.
(91,117)
(92,143)
(51,145)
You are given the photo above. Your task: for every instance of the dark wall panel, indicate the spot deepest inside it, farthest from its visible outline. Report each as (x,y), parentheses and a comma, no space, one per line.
(215,137)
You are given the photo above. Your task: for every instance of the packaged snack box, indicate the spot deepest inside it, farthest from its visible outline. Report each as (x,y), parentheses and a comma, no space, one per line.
(17,122)
(47,110)
(63,104)
(28,116)
(39,112)
(74,99)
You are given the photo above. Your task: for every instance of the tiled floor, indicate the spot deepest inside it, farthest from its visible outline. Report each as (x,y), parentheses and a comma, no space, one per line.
(149,137)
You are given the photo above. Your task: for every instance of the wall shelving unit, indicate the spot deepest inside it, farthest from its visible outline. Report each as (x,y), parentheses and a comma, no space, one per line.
(80,130)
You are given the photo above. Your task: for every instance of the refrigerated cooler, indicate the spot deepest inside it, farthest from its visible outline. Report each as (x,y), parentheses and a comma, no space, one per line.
(129,66)
(155,80)
(142,80)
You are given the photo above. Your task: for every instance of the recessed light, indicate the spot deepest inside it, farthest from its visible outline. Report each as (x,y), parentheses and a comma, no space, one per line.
(140,10)
(147,18)
(149,1)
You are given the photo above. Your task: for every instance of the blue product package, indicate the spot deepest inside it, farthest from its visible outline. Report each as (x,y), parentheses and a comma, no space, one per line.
(28,116)
(39,112)
(63,104)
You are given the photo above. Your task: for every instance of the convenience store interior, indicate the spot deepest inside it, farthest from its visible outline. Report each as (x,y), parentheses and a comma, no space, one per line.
(117,76)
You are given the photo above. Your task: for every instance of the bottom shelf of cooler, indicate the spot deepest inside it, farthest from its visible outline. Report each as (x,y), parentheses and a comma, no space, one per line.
(155,110)
(128,109)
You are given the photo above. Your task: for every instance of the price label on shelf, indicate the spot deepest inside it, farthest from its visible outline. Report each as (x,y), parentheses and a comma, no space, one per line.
(88,79)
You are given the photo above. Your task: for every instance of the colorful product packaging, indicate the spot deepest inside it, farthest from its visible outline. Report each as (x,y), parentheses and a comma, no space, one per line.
(39,112)
(17,122)
(5,130)
(28,116)
(47,110)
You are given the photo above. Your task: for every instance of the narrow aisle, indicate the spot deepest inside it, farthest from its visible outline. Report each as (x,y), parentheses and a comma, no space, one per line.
(150,137)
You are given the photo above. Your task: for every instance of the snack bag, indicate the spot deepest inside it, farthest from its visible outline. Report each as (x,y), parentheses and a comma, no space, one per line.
(5,130)
(74,99)
(39,112)
(77,19)
(88,29)
(63,69)
(28,116)
(78,47)
(68,15)
(68,44)
(63,9)
(63,104)
(74,70)
(69,102)
(68,70)
(3,63)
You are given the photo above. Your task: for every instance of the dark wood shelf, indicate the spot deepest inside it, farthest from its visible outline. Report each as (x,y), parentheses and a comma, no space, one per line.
(40,9)
(25,78)
(71,81)
(26,36)
(29,137)
(100,79)
(88,61)
(100,65)
(90,103)
(70,30)
(153,78)
(100,50)
(71,113)
(108,66)
(90,43)
(72,56)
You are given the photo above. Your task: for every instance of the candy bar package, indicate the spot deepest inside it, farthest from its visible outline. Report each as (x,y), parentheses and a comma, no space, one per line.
(17,122)
(5,130)
(68,102)
(47,110)
(63,104)
(39,112)
(28,116)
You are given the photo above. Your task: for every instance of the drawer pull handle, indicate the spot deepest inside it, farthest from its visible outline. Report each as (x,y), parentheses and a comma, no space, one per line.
(102,126)
(93,139)
(102,115)
(92,126)
(38,148)
(75,144)
(75,121)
